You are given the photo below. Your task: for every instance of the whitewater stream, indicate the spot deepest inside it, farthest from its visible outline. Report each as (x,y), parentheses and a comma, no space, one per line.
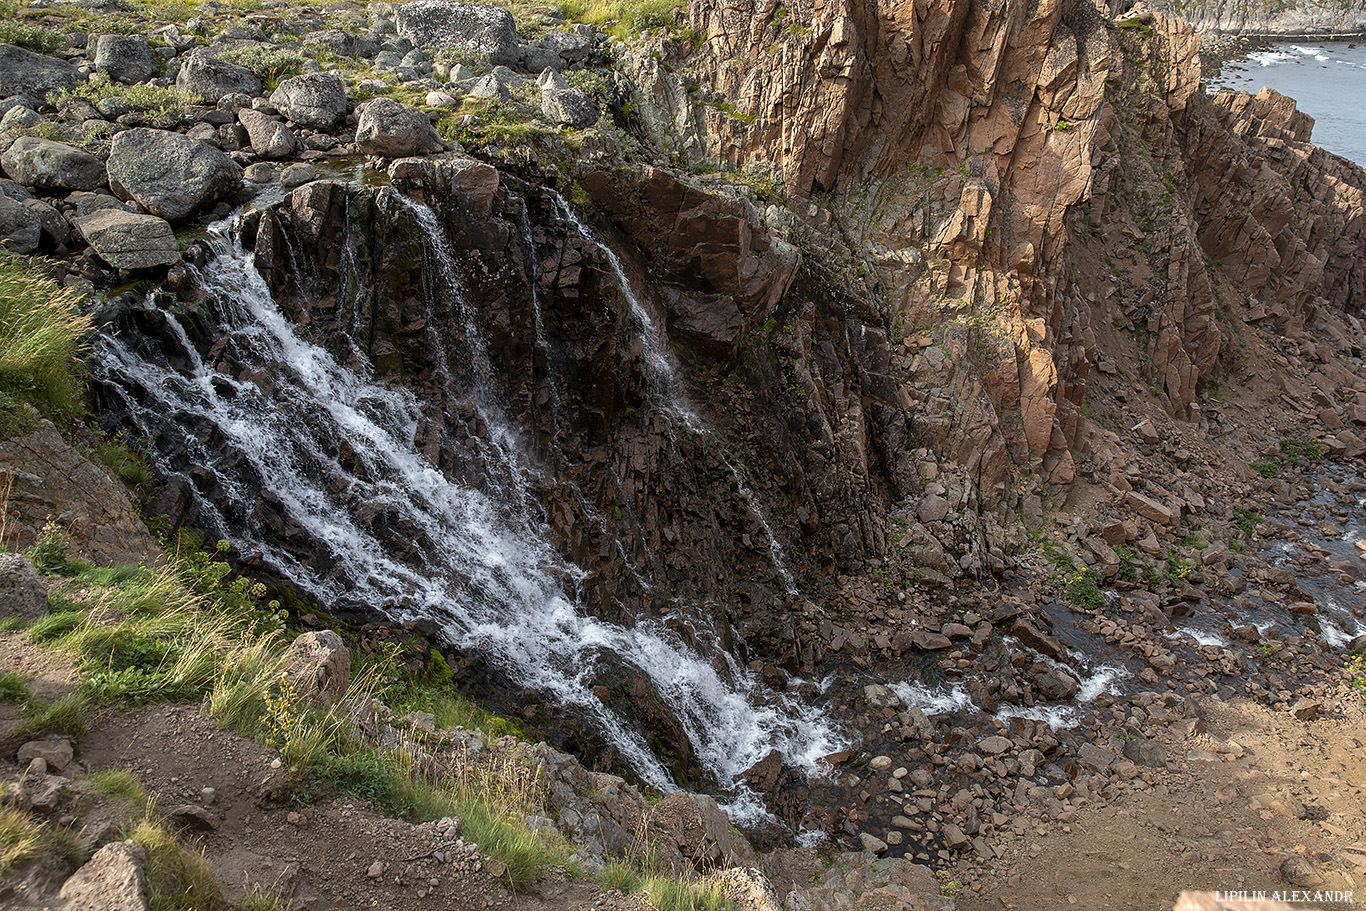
(478,567)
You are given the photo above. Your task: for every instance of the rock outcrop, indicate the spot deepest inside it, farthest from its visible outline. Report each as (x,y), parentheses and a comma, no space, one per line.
(168,174)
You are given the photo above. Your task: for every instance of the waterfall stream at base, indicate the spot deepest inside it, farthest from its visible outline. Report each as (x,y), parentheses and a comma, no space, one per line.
(479,566)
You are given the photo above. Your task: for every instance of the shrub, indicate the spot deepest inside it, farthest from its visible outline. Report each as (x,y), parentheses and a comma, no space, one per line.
(42,340)
(1083,591)
(1267,468)
(269,64)
(154,101)
(34,38)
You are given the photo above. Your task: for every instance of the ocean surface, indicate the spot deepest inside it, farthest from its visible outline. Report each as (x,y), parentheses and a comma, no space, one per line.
(1327,79)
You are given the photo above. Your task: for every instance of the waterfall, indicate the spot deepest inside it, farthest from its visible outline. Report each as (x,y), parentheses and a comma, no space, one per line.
(659,359)
(275,408)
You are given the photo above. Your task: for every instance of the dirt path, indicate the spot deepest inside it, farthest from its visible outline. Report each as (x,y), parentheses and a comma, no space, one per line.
(337,854)
(1292,801)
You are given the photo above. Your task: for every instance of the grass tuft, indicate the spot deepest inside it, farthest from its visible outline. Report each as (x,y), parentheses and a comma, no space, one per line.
(42,340)
(119,783)
(177,879)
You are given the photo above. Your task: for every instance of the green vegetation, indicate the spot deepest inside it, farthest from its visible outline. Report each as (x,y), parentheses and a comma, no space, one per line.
(1246,520)
(1356,672)
(154,101)
(1294,450)
(269,64)
(23,838)
(1083,591)
(34,38)
(42,341)
(1267,468)
(195,631)
(624,19)
(177,879)
(1179,567)
(119,783)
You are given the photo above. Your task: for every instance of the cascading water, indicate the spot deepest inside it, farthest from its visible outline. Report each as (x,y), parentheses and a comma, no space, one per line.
(280,411)
(668,386)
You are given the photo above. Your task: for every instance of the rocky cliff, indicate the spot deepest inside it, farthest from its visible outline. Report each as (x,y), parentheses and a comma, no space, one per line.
(1275,19)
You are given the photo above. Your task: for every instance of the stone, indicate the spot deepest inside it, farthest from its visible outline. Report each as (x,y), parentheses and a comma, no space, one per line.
(207,79)
(318,666)
(20,228)
(270,138)
(48,166)
(126,240)
(933,508)
(392,130)
(700,829)
(534,58)
(954,838)
(124,58)
(1149,508)
(315,100)
(56,753)
(747,888)
(1300,871)
(56,480)
(572,47)
(33,77)
(881,697)
(928,641)
(485,30)
(375,870)
(193,818)
(994,745)
(1146,752)
(22,593)
(1097,759)
(1056,684)
(491,87)
(570,107)
(1306,709)
(440,99)
(168,174)
(1044,644)
(872,843)
(115,879)
(260,172)
(18,118)
(296,175)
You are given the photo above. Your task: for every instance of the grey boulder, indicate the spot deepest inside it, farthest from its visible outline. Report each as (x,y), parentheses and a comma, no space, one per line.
(169,175)
(32,77)
(569,106)
(570,46)
(42,164)
(486,30)
(385,127)
(129,241)
(125,58)
(20,228)
(270,138)
(207,79)
(316,100)
(21,590)
(491,87)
